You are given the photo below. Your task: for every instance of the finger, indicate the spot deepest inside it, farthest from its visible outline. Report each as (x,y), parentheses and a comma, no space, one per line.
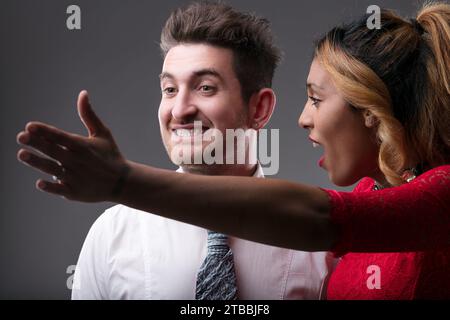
(49,149)
(55,135)
(44,165)
(89,118)
(53,188)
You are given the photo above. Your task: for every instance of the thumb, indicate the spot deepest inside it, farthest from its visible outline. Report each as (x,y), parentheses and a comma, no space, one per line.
(90,120)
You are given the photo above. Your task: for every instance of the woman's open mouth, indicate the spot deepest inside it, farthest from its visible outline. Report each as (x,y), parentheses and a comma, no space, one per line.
(317,145)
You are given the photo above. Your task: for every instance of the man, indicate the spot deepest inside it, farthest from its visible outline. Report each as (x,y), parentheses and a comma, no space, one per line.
(218,69)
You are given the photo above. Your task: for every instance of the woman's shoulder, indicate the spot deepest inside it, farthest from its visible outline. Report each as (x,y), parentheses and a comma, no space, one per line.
(438,175)
(436,181)
(441,171)
(365,184)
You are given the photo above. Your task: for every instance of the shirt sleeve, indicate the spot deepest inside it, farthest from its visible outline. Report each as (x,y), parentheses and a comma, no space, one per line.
(89,278)
(411,217)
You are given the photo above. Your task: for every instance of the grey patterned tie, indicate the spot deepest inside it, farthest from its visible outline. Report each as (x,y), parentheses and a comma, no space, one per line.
(216,279)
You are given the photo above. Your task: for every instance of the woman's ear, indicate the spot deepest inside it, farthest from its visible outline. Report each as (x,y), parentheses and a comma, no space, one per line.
(261,107)
(370,120)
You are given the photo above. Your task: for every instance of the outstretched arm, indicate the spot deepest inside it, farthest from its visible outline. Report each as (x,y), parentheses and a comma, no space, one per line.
(275,212)
(92,169)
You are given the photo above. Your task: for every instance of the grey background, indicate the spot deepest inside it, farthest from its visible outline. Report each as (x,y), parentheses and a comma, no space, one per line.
(116,57)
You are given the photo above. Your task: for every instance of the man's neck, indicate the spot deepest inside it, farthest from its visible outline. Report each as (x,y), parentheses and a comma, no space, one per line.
(221,170)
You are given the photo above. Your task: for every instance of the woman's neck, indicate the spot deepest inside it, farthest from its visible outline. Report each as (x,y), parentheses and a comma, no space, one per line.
(380,180)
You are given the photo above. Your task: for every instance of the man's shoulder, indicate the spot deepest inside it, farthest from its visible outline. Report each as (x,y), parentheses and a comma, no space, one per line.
(121,218)
(121,214)
(117,220)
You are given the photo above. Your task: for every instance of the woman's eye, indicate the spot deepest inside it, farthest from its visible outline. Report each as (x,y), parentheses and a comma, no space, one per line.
(315,101)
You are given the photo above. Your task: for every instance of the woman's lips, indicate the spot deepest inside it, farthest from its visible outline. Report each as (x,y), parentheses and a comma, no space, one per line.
(317,145)
(321,161)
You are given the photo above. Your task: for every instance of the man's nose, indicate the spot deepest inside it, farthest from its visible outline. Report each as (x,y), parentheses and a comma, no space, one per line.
(183,106)
(306,119)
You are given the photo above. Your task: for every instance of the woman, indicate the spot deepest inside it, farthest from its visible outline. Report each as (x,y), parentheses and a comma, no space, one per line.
(379,106)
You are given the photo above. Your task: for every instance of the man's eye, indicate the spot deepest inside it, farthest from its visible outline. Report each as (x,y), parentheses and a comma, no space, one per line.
(207,89)
(169,91)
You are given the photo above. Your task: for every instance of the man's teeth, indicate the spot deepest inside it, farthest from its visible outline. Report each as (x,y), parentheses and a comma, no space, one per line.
(188,133)
(316,145)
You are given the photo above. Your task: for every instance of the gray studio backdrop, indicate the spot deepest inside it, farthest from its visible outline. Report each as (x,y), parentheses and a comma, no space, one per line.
(116,57)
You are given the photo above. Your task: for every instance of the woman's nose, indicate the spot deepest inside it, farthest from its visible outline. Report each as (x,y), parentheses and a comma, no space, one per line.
(306,120)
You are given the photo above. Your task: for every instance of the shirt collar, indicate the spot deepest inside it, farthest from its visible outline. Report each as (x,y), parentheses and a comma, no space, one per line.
(259,173)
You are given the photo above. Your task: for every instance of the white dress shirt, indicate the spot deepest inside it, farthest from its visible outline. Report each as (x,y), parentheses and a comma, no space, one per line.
(131,254)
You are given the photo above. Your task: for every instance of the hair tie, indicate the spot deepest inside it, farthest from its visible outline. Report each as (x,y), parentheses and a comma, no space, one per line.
(417,26)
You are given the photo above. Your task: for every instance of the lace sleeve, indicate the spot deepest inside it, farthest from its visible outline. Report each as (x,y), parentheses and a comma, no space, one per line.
(411,217)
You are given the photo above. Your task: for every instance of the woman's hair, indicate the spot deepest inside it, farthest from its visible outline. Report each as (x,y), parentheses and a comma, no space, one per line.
(400,73)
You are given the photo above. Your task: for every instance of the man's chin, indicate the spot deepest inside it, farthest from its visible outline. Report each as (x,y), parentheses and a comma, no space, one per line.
(193,159)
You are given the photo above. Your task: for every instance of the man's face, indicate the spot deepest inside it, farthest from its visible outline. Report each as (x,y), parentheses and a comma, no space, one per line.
(198,83)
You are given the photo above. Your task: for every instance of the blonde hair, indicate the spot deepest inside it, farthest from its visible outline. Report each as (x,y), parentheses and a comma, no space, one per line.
(400,74)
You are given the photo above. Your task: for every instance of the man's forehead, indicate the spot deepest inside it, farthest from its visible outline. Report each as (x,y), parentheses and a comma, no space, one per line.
(197,60)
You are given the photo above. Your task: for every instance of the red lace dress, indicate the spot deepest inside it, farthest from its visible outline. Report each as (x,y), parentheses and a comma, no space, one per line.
(404,233)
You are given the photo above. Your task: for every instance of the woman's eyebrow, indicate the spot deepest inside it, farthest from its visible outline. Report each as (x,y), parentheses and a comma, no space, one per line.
(311,85)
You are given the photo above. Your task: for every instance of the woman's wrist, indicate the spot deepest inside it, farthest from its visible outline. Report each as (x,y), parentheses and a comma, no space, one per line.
(136,186)
(121,182)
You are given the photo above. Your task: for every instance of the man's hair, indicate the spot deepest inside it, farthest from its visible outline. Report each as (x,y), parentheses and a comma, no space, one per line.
(247,35)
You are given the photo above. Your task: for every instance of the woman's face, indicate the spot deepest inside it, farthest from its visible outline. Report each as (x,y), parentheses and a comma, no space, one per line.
(350,148)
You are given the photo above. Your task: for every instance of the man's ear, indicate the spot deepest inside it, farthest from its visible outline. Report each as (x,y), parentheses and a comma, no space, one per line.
(261,107)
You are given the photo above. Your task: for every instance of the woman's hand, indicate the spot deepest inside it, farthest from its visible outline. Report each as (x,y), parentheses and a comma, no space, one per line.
(87,169)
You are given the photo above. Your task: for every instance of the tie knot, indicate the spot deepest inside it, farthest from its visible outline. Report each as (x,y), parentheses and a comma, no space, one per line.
(217,242)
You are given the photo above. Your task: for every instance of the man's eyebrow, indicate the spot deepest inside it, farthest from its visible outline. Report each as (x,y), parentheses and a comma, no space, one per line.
(208,72)
(165,75)
(198,74)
